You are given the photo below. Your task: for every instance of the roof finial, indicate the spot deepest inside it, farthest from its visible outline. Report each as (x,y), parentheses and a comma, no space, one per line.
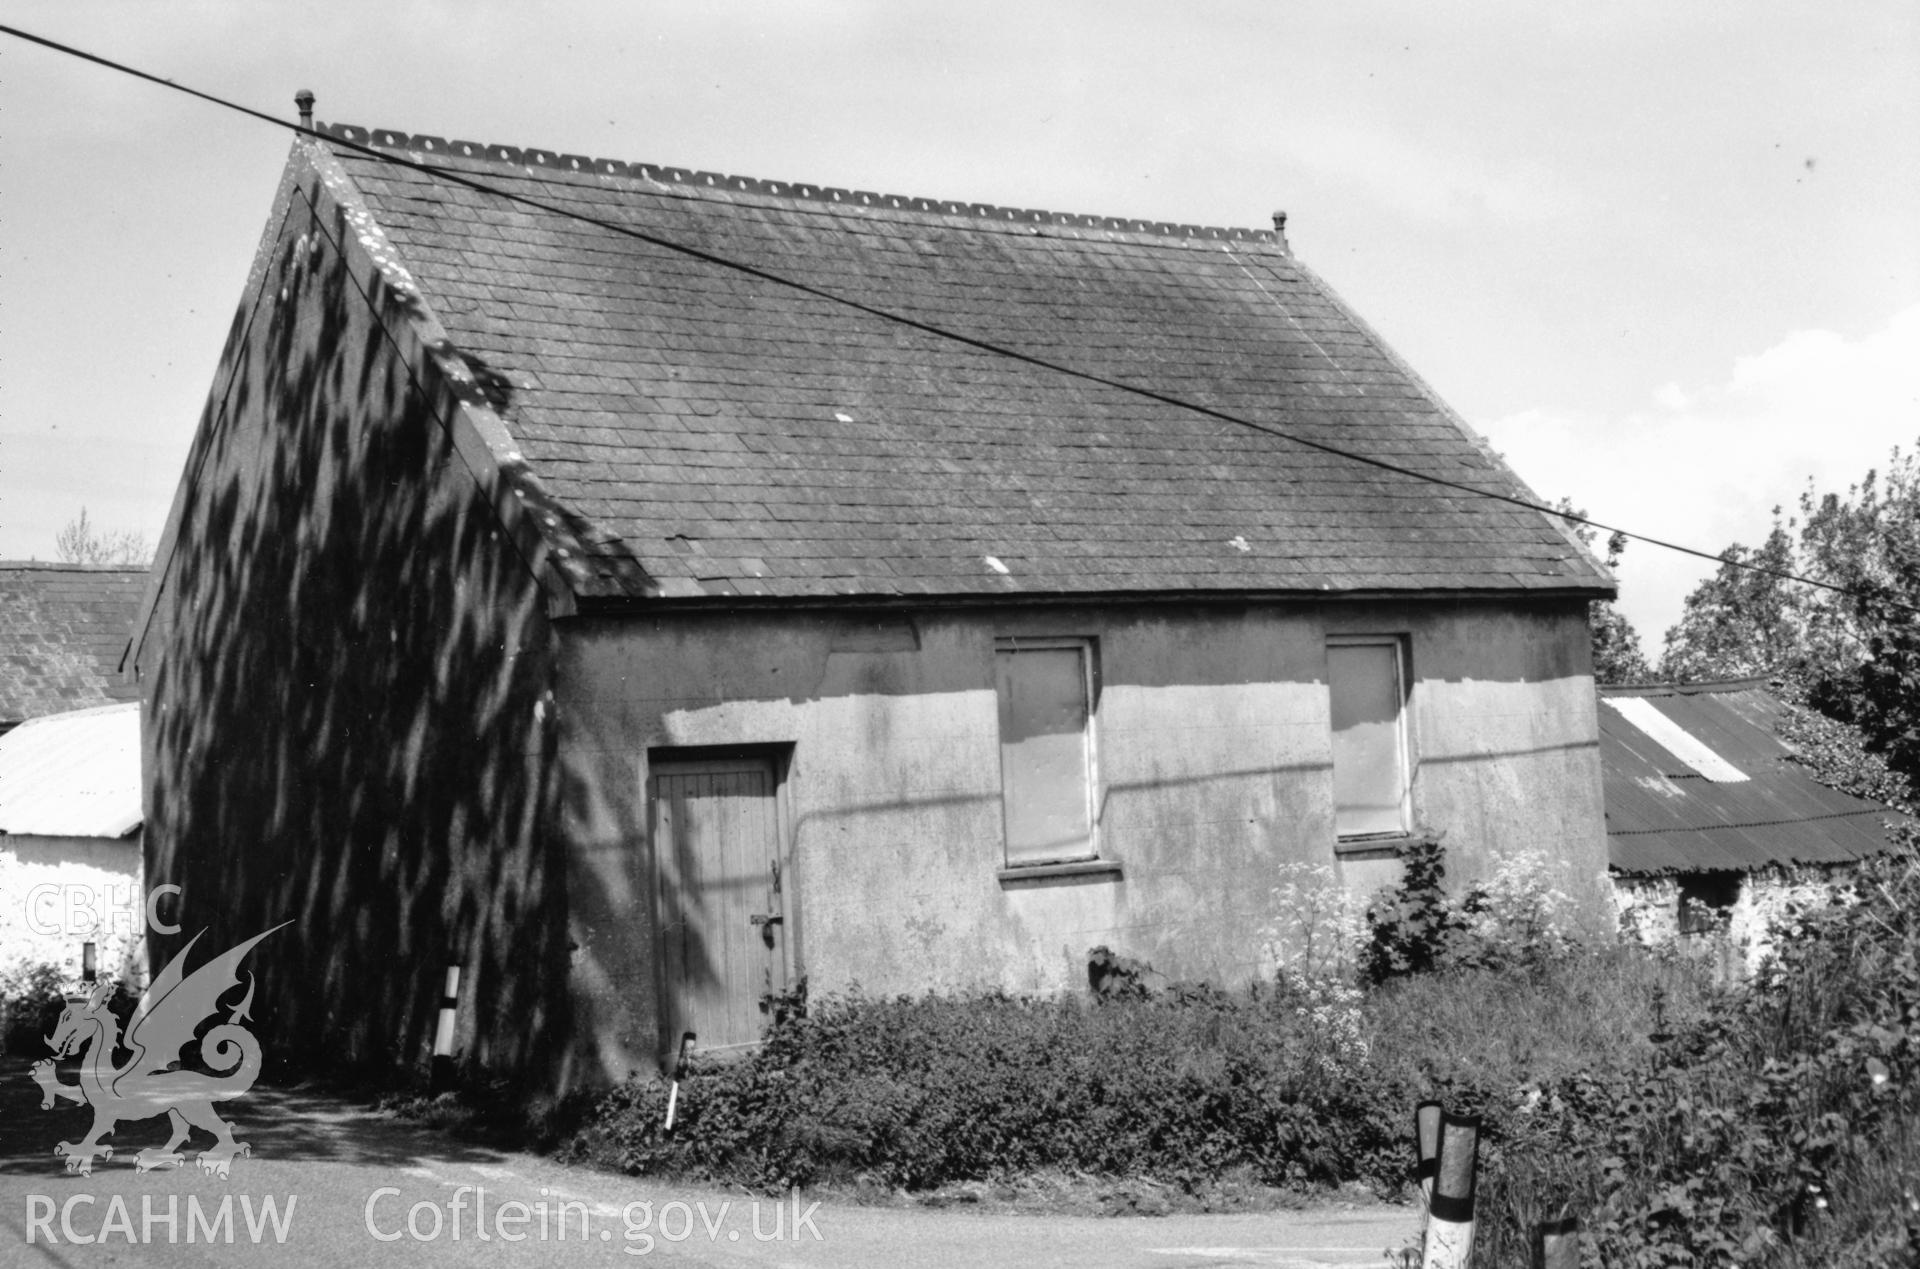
(304,100)
(1280,230)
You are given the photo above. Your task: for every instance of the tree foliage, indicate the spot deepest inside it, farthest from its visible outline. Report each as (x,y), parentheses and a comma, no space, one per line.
(80,542)
(1741,621)
(1617,657)
(1851,653)
(1837,755)
(1881,694)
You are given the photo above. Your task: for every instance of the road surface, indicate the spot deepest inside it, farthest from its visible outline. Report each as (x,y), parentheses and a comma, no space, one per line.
(333,1186)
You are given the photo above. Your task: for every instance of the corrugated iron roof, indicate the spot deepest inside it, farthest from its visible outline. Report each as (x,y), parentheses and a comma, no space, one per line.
(1664,816)
(73,775)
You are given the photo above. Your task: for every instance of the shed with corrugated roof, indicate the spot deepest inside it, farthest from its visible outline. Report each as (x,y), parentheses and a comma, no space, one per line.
(70,843)
(1713,822)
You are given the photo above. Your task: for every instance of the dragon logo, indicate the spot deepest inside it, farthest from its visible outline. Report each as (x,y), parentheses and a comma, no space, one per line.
(149,1083)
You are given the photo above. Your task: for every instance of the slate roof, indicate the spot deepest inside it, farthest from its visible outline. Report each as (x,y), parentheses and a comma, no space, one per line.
(63,628)
(715,434)
(1664,816)
(73,775)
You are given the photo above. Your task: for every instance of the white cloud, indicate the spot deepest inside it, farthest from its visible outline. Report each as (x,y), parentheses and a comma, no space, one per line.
(1704,465)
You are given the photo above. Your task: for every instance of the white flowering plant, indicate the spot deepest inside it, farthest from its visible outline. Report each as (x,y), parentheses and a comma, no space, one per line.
(1517,916)
(1311,950)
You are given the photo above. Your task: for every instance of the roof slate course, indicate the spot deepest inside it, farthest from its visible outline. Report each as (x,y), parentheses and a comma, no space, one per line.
(63,628)
(718,433)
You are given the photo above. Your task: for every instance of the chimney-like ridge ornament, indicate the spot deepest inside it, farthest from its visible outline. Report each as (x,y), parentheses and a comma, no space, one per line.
(304,100)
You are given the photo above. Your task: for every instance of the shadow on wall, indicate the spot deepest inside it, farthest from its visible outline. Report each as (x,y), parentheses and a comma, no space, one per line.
(344,675)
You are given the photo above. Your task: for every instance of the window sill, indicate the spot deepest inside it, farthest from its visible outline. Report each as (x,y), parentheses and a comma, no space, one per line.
(1074,868)
(1379,846)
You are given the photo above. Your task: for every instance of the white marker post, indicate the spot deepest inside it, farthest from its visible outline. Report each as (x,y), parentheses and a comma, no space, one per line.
(1450,1211)
(442,1076)
(673,1093)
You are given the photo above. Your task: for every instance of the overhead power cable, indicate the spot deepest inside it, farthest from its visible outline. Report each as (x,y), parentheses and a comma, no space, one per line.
(984,345)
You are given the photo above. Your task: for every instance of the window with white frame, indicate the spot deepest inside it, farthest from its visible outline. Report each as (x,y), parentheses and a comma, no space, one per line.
(1366,686)
(1045,690)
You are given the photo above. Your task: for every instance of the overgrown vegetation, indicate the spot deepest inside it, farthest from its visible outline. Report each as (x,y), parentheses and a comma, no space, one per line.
(1837,756)
(1304,1079)
(1684,1123)
(1777,1128)
(1183,1086)
(32,996)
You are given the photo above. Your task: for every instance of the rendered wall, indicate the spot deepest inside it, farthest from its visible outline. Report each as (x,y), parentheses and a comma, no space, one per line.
(343,677)
(1211,725)
(57,893)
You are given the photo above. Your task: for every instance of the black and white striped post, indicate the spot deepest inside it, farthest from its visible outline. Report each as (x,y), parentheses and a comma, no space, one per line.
(442,1075)
(1449,1243)
(1426,1148)
(1556,1244)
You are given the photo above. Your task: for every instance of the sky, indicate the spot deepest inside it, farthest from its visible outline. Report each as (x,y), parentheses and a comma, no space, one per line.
(1664,255)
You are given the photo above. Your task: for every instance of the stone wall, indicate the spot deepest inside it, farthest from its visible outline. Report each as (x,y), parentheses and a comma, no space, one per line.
(1729,916)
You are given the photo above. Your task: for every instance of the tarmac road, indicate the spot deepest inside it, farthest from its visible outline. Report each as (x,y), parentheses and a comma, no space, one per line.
(344,1184)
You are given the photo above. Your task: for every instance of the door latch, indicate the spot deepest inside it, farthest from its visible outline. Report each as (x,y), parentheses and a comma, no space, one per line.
(761,918)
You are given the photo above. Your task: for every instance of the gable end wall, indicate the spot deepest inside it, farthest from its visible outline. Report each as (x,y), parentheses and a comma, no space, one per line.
(343,666)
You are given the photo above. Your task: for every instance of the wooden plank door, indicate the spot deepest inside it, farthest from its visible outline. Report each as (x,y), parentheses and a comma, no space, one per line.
(722,921)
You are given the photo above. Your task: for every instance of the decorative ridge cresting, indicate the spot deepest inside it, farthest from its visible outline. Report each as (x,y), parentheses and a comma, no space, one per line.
(530,157)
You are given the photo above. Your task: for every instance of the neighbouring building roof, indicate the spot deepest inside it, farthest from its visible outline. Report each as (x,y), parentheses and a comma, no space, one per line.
(1697,778)
(712,433)
(63,628)
(72,775)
